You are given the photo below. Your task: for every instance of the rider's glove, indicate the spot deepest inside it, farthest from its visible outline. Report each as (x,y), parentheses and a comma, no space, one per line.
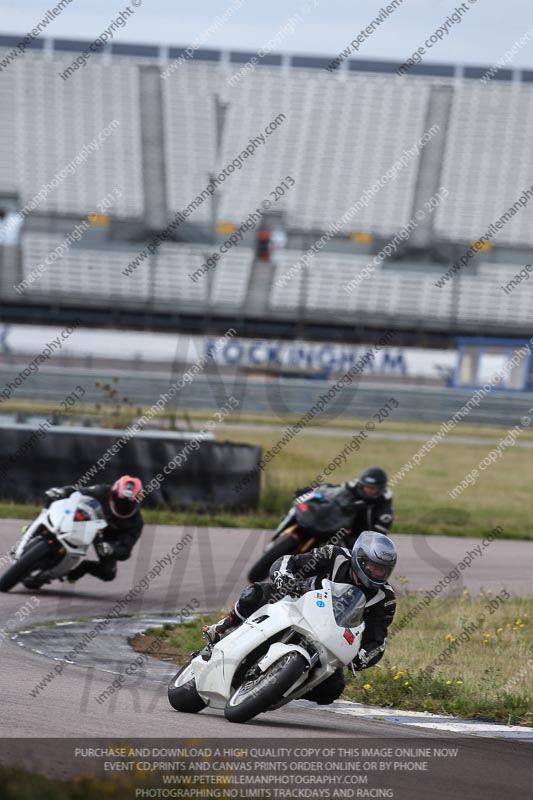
(361,660)
(55,493)
(287,584)
(104,549)
(281,580)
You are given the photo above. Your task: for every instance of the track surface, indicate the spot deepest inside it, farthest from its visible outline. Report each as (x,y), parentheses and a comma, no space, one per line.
(208,573)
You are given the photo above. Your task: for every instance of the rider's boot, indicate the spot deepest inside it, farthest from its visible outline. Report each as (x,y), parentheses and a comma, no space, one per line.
(36,581)
(214,633)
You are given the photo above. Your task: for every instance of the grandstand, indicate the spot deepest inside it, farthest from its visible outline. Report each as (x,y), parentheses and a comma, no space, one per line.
(117,128)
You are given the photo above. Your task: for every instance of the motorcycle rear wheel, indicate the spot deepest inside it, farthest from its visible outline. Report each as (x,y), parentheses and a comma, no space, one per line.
(27,563)
(256,696)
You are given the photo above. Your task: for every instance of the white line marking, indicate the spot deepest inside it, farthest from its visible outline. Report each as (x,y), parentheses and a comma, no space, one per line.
(424,719)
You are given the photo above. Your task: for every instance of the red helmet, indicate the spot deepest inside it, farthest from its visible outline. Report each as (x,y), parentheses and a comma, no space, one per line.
(126,493)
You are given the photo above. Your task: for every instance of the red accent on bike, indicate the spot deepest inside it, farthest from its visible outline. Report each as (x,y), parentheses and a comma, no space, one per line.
(79,516)
(348,635)
(303,507)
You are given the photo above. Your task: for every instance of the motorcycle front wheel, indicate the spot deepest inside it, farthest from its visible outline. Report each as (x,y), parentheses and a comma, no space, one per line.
(28,562)
(182,694)
(286,543)
(255,696)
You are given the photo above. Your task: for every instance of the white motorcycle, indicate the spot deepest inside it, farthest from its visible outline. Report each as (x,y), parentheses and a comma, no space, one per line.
(277,655)
(55,542)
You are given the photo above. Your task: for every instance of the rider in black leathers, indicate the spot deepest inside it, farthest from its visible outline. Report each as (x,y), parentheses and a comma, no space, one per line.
(368,566)
(120,505)
(368,500)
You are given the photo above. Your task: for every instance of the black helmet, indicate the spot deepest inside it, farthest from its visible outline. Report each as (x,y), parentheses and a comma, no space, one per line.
(370,483)
(374,558)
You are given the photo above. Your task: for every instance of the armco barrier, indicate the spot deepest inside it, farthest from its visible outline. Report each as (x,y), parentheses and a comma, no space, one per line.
(279,396)
(32,459)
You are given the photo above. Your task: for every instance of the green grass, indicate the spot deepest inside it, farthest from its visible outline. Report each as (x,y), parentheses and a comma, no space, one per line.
(487,677)
(163,516)
(112,411)
(181,639)
(18,784)
(501,496)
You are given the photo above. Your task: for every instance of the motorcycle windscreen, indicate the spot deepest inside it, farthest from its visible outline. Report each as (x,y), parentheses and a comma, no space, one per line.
(348,605)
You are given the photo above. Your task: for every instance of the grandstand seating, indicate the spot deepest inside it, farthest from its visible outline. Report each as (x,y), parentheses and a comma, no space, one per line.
(338,138)
(342,131)
(231,278)
(55,119)
(222,287)
(190,141)
(489,161)
(482,298)
(401,293)
(96,275)
(8,171)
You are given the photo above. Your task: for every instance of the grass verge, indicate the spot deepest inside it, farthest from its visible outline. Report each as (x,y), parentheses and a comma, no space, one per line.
(501,495)
(18,784)
(113,412)
(163,516)
(488,675)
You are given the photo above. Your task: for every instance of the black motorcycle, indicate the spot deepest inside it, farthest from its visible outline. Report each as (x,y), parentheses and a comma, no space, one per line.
(315,518)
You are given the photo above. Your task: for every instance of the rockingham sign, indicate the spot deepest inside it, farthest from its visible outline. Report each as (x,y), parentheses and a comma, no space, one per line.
(324,357)
(18,341)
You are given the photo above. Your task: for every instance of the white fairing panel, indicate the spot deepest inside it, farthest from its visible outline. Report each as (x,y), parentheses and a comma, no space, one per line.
(83,533)
(312,615)
(61,514)
(59,519)
(213,678)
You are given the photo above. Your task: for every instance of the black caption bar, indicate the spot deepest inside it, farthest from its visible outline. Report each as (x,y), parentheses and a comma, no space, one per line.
(403,768)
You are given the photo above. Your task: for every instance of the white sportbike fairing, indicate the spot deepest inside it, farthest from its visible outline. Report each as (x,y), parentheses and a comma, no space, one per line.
(279,654)
(67,538)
